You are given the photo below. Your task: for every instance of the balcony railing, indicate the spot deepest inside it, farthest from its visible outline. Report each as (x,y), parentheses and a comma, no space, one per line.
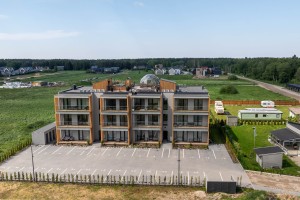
(149,107)
(143,123)
(203,108)
(71,123)
(115,124)
(107,108)
(188,124)
(74,107)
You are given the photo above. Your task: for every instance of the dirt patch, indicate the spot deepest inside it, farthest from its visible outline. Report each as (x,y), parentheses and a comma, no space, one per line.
(283,182)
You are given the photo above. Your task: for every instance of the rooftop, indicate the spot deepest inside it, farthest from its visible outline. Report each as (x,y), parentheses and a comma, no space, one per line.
(296,111)
(268,150)
(285,134)
(261,110)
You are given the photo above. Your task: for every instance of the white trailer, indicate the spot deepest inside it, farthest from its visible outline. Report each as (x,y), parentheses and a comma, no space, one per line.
(219,109)
(267,104)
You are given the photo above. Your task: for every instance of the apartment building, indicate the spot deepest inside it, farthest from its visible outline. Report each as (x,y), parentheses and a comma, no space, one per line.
(153,111)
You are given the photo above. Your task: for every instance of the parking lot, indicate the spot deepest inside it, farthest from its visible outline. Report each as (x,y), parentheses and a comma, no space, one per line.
(212,164)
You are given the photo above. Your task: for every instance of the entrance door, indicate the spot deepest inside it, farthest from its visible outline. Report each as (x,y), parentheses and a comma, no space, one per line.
(165,135)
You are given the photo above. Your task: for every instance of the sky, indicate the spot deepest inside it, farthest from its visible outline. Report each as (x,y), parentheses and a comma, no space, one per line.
(116,29)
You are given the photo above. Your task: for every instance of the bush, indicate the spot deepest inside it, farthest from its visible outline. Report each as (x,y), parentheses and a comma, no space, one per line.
(228,89)
(232,77)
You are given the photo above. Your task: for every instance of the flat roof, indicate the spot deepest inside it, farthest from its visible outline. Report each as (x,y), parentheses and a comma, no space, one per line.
(295,110)
(268,150)
(261,110)
(285,134)
(45,128)
(294,85)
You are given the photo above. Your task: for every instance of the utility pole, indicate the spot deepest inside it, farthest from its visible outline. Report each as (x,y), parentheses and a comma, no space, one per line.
(178,166)
(254,134)
(32,163)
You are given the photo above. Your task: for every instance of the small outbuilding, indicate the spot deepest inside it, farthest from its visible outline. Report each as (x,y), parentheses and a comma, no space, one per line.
(44,135)
(231,120)
(294,113)
(260,114)
(269,157)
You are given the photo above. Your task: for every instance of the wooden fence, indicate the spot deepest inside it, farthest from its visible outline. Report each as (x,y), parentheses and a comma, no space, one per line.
(256,102)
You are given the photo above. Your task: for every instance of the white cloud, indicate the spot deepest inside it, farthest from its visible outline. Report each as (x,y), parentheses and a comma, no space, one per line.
(139,4)
(3,16)
(54,34)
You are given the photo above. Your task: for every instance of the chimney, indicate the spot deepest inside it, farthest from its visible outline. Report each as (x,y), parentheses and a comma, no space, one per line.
(74,87)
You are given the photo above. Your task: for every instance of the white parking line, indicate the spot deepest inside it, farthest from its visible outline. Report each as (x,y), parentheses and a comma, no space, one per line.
(71,150)
(169,153)
(104,151)
(148,153)
(214,154)
(94,172)
(63,171)
(43,149)
(221,176)
(90,151)
(49,170)
(133,152)
(109,172)
(172,178)
(204,174)
(162,153)
(140,175)
(125,172)
(78,172)
(57,150)
(21,169)
(38,148)
(199,154)
(119,151)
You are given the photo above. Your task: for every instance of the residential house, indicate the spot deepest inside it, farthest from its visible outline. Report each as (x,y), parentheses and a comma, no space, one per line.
(267,114)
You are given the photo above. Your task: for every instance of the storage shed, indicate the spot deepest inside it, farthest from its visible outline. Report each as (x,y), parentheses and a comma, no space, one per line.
(231,120)
(260,114)
(294,113)
(44,135)
(269,157)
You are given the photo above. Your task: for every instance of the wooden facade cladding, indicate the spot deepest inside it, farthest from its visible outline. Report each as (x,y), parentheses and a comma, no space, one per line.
(161,118)
(102,85)
(167,85)
(129,119)
(91,119)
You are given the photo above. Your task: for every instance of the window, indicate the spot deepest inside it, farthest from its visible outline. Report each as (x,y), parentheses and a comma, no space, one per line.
(165,104)
(264,115)
(67,119)
(123,104)
(66,104)
(111,120)
(182,104)
(153,120)
(153,104)
(197,120)
(256,115)
(123,120)
(198,104)
(82,119)
(140,119)
(277,115)
(110,104)
(165,119)
(139,135)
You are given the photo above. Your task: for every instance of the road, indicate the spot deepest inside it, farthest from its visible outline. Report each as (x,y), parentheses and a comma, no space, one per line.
(274,88)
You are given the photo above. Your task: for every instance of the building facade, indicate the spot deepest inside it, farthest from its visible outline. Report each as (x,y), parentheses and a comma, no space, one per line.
(154,111)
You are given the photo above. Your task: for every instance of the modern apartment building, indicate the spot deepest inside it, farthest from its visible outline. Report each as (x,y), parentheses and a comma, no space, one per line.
(154,111)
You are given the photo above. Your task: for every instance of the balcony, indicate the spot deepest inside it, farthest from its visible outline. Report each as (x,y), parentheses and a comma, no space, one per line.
(71,123)
(115,124)
(194,108)
(143,123)
(149,107)
(74,107)
(114,108)
(189,124)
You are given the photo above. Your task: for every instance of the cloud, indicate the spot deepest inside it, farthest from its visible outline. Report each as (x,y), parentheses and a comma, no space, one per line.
(3,16)
(54,34)
(139,4)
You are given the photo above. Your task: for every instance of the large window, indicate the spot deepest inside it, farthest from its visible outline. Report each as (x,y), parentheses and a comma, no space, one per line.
(139,103)
(165,119)
(111,120)
(153,104)
(117,136)
(140,120)
(82,119)
(198,104)
(153,120)
(110,104)
(198,120)
(165,104)
(67,119)
(66,104)
(123,104)
(123,120)
(153,135)
(139,136)
(180,120)
(188,136)
(182,104)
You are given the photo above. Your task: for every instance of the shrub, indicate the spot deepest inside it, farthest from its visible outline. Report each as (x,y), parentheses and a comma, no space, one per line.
(228,89)
(232,77)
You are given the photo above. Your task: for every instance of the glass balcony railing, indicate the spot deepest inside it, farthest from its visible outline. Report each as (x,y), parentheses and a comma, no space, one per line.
(149,107)
(177,123)
(200,108)
(71,123)
(115,124)
(108,108)
(74,107)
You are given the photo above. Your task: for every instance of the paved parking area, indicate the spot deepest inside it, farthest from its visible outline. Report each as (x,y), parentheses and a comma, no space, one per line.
(213,164)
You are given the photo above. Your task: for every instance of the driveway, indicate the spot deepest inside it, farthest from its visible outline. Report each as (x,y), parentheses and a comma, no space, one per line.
(212,164)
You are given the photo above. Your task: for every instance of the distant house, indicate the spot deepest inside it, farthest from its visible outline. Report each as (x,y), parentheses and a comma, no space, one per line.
(110,70)
(260,114)
(294,113)
(269,157)
(202,71)
(160,72)
(140,67)
(158,66)
(216,71)
(171,71)
(288,139)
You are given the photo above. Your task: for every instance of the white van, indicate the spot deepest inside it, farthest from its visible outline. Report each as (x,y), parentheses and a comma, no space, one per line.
(267,104)
(219,109)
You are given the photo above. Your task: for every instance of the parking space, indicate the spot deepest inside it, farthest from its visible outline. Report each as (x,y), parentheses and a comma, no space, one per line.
(212,164)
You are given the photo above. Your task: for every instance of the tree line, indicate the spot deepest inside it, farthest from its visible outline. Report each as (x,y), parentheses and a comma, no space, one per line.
(281,70)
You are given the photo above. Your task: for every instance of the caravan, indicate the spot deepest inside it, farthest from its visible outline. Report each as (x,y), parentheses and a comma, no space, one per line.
(219,109)
(267,104)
